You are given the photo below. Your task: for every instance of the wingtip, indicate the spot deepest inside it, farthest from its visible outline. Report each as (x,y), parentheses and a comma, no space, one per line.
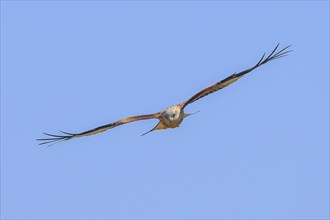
(54,139)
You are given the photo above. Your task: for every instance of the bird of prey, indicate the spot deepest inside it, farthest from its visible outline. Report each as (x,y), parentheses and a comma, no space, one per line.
(172,116)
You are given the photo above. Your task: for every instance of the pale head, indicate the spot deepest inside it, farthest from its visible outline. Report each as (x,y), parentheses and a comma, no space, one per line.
(172,116)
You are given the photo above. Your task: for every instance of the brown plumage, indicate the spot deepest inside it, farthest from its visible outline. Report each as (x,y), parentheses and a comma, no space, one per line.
(172,116)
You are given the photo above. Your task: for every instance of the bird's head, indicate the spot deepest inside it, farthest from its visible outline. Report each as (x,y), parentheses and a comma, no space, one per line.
(172,113)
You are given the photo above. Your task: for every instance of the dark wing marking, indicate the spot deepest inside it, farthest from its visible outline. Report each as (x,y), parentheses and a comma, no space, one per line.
(53,139)
(234,77)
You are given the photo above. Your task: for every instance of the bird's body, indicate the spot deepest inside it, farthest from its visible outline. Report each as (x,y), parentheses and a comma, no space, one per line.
(172,116)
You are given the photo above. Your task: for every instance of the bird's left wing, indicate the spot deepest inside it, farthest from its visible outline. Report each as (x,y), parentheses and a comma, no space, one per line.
(53,139)
(236,76)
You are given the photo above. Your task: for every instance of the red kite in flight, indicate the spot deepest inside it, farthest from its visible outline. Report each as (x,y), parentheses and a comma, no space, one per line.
(172,116)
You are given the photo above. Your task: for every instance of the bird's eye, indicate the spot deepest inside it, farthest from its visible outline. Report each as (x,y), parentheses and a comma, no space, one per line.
(173,115)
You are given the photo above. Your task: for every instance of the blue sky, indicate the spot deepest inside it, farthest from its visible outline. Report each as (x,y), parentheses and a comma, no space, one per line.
(257,149)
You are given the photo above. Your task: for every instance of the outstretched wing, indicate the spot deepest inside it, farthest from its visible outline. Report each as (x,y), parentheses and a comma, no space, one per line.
(234,77)
(53,139)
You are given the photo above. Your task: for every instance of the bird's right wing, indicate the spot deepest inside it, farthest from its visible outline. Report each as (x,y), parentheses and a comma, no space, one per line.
(53,139)
(234,77)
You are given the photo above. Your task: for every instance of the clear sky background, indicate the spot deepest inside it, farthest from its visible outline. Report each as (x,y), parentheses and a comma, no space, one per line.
(258,149)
